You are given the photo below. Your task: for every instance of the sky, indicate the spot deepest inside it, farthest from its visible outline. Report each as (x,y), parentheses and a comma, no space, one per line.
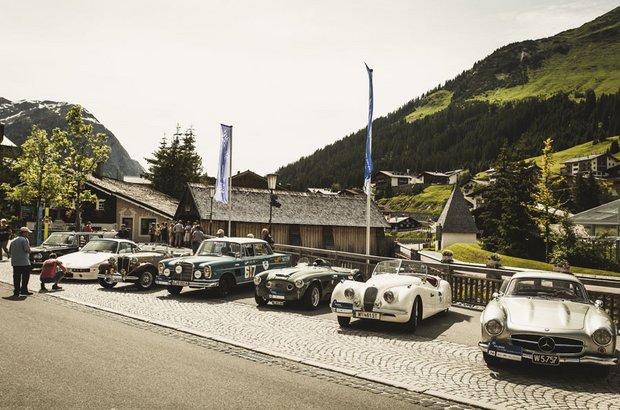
(288,75)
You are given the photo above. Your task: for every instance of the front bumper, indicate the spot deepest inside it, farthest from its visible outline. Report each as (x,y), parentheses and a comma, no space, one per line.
(529,355)
(117,277)
(196,284)
(385,315)
(280,296)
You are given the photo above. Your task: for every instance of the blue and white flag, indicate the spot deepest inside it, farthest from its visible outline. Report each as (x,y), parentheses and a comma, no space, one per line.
(368,163)
(223,172)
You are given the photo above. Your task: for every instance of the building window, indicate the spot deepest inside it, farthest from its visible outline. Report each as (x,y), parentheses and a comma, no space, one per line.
(100,205)
(145,223)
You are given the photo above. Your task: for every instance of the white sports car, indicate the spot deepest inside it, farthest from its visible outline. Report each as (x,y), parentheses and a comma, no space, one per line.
(85,263)
(547,318)
(399,291)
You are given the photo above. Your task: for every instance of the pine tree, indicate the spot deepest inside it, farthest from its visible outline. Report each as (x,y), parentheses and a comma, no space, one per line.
(174,165)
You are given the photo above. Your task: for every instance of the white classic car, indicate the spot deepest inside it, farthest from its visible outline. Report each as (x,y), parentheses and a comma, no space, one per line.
(547,318)
(84,264)
(399,291)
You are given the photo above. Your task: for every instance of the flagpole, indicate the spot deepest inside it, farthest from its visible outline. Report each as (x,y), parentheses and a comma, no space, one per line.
(368,160)
(230,183)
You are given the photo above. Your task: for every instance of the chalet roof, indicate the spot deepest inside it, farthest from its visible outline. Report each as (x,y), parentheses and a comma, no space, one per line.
(141,195)
(587,158)
(606,214)
(298,208)
(437,174)
(396,174)
(455,216)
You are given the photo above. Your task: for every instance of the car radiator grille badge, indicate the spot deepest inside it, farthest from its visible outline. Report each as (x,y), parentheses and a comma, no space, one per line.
(546,344)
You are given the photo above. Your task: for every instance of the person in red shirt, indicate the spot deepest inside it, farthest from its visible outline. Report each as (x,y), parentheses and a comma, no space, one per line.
(52,272)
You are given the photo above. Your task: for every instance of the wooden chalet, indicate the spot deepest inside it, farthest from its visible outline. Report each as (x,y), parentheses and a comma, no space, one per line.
(304,219)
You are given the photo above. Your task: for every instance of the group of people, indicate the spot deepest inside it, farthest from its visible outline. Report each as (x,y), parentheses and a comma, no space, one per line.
(52,270)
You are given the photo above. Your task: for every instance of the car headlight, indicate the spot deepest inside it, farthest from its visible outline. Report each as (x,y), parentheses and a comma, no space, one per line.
(299,283)
(268,284)
(494,327)
(112,260)
(178,269)
(349,293)
(166,272)
(197,274)
(602,337)
(207,271)
(389,296)
(38,256)
(133,260)
(160,268)
(257,280)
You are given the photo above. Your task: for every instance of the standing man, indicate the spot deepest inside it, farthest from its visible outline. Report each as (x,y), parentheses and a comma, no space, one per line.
(178,230)
(20,259)
(5,234)
(267,237)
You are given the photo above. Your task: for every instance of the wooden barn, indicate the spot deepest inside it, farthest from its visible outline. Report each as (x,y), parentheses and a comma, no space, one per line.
(304,219)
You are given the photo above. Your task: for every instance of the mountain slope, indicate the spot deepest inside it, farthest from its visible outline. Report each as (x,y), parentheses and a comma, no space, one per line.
(565,87)
(19,116)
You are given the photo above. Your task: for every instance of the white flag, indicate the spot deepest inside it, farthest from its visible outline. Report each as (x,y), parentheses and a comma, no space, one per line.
(223,172)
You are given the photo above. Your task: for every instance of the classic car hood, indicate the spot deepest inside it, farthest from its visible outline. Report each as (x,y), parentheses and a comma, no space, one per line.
(84,259)
(44,248)
(200,259)
(294,272)
(544,313)
(386,281)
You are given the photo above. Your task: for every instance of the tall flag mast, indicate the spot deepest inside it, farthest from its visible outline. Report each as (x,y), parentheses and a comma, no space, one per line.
(223,184)
(368,161)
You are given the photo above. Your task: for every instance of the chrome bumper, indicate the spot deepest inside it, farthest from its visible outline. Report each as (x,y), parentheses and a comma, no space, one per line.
(117,277)
(212,283)
(605,361)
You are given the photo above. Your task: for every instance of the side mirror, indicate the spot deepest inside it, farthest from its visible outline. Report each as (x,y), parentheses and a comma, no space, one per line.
(598,303)
(495,295)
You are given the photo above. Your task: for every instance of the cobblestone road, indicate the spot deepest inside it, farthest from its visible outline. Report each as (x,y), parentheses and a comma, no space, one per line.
(441,369)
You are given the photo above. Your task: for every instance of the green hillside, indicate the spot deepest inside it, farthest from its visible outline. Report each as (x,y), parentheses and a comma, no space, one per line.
(566,87)
(430,201)
(580,150)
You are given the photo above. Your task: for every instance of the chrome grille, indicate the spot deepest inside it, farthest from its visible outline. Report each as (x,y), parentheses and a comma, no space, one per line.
(123,263)
(562,345)
(186,274)
(281,285)
(369,298)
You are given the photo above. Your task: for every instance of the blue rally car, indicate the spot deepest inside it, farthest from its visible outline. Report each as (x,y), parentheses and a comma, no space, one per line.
(220,263)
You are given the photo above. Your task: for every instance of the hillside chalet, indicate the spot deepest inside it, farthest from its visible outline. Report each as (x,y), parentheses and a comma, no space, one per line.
(598,164)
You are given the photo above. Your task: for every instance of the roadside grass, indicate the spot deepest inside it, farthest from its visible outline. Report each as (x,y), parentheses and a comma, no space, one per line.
(469,252)
(430,201)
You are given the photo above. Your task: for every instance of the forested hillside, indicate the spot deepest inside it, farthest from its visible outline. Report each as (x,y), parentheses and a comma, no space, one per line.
(566,87)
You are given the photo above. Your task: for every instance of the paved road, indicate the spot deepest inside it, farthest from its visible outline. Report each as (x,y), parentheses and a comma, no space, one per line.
(445,365)
(105,363)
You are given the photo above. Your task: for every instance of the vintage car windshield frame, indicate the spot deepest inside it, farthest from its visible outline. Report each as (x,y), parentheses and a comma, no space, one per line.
(544,287)
(59,239)
(400,267)
(100,245)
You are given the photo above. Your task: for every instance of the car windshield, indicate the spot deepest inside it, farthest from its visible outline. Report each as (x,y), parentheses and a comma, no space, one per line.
(59,239)
(400,267)
(218,248)
(100,246)
(547,288)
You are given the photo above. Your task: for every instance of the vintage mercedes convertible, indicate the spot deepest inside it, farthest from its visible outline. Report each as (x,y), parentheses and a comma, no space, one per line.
(309,283)
(220,263)
(400,291)
(547,318)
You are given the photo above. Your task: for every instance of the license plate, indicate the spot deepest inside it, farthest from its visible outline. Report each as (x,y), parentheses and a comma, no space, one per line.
(367,315)
(180,283)
(277,302)
(280,297)
(547,359)
(508,352)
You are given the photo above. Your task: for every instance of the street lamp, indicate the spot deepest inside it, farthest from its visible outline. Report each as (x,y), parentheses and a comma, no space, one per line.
(211,195)
(272,180)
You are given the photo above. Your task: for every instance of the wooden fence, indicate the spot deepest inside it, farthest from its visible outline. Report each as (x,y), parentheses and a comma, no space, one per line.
(472,285)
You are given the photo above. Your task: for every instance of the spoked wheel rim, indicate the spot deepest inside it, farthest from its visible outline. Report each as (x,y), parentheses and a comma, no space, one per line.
(146,280)
(315,296)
